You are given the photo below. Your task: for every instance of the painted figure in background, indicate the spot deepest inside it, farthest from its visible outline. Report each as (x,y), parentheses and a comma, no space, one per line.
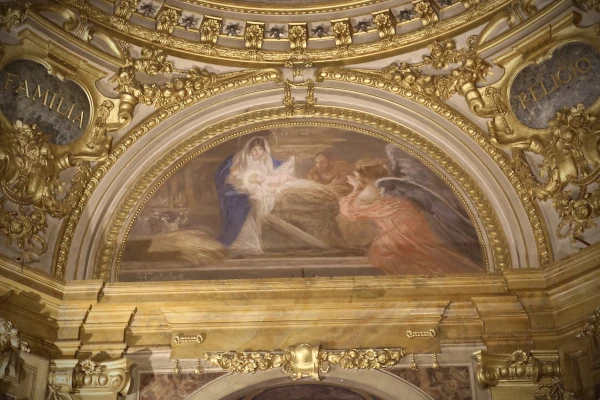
(330,171)
(419,232)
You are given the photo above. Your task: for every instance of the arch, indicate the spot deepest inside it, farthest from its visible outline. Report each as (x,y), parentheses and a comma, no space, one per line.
(381,110)
(378,383)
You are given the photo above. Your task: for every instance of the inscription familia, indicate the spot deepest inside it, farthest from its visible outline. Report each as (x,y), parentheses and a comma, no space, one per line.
(28,92)
(568,78)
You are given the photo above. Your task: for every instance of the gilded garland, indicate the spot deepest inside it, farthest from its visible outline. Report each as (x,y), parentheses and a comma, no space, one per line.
(305,360)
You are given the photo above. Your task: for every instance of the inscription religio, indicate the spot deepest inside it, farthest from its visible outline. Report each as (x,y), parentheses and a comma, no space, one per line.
(60,108)
(568,78)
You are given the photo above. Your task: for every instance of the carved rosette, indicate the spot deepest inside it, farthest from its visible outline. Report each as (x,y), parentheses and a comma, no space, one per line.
(305,361)
(88,378)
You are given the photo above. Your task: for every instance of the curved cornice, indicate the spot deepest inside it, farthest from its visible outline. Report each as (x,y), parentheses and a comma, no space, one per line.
(376,42)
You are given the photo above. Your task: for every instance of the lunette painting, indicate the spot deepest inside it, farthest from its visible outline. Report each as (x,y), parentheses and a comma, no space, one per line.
(301,201)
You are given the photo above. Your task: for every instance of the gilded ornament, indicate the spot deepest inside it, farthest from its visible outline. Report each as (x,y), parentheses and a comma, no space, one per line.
(431,333)
(126,8)
(13,14)
(385,23)
(168,19)
(592,326)
(88,378)
(571,157)
(29,169)
(342,32)
(254,35)
(209,32)
(305,361)
(189,339)
(298,35)
(424,10)
(492,368)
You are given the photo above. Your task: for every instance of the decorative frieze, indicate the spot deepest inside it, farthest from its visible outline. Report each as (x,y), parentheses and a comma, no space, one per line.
(305,361)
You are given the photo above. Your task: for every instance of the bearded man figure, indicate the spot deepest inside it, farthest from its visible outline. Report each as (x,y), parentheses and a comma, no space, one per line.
(331,172)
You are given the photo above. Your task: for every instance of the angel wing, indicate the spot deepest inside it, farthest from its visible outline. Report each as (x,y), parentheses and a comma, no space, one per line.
(403,165)
(451,227)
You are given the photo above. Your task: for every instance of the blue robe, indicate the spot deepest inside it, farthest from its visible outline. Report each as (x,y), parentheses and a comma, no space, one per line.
(235,206)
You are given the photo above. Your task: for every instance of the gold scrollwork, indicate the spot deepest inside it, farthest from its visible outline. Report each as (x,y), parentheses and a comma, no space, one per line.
(29,170)
(305,360)
(180,339)
(431,333)
(570,168)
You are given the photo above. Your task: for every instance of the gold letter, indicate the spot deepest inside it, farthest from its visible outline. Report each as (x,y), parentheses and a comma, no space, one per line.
(38,93)
(80,119)
(573,69)
(71,111)
(523,100)
(554,81)
(588,63)
(51,100)
(8,79)
(535,98)
(23,86)
(544,87)
(560,79)
(58,107)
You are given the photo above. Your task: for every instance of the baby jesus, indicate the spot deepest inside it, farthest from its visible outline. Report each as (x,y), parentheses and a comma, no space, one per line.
(270,183)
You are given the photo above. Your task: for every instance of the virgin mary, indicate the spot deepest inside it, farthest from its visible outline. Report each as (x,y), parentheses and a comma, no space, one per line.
(240,229)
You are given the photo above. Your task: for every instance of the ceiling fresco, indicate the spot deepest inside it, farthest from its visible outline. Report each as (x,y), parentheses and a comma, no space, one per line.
(301,201)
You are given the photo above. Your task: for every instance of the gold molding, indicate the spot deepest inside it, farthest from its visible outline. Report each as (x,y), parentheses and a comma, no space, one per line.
(212,52)
(298,9)
(305,360)
(232,81)
(114,230)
